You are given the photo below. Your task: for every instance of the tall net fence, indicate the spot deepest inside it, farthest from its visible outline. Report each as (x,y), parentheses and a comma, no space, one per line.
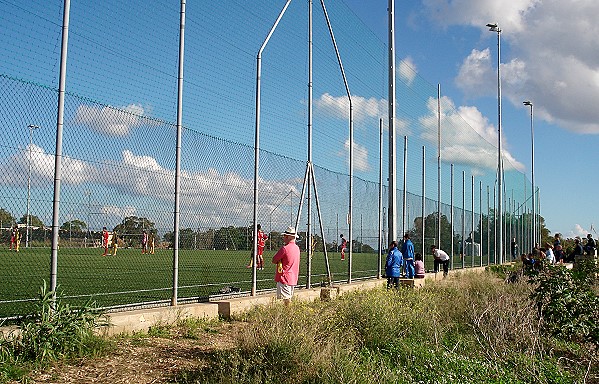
(119,152)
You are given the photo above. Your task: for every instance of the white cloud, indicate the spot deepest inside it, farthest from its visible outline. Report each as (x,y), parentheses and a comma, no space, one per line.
(363,108)
(553,54)
(467,136)
(15,170)
(509,15)
(475,76)
(108,120)
(407,70)
(360,158)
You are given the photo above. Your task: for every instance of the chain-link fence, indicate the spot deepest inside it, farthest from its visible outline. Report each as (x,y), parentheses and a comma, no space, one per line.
(119,146)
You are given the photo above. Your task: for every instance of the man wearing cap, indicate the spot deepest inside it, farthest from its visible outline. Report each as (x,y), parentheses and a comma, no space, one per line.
(287,260)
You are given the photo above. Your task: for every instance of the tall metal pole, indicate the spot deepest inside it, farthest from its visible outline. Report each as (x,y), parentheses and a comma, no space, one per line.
(488,227)
(380,217)
(451,217)
(309,202)
(392,209)
(480,221)
(532,170)
(257,142)
(463,218)
(495,28)
(405,186)
(58,157)
(472,221)
(438,165)
(31,129)
(177,213)
(423,211)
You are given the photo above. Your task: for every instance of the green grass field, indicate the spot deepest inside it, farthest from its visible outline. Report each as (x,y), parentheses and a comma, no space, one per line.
(131,278)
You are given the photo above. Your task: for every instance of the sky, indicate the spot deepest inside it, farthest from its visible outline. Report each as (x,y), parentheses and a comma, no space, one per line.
(549,56)
(128,60)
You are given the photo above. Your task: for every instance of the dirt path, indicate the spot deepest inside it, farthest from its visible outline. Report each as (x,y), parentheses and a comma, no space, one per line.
(143,360)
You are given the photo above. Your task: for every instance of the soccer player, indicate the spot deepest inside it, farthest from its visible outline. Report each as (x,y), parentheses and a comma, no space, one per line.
(262,237)
(115,243)
(14,234)
(343,247)
(144,242)
(105,235)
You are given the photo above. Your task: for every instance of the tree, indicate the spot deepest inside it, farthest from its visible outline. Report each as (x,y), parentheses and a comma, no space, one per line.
(34,221)
(131,228)
(74,226)
(430,232)
(6,218)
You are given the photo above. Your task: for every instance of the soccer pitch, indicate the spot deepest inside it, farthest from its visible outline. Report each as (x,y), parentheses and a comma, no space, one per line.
(132,278)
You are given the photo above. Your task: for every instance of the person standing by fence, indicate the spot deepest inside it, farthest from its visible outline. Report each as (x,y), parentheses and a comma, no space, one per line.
(287,260)
(407,251)
(14,237)
(393,265)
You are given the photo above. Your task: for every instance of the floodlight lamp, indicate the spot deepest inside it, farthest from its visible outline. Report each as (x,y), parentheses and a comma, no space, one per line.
(493,27)
(527,102)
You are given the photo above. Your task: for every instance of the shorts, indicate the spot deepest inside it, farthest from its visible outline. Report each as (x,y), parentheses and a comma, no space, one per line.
(284,291)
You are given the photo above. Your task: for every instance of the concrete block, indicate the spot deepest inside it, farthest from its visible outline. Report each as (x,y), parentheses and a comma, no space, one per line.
(328,293)
(237,306)
(143,319)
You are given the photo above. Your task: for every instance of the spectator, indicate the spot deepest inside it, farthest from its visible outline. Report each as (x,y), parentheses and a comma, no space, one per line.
(407,251)
(287,260)
(578,250)
(549,256)
(393,265)
(419,267)
(589,247)
(560,255)
(556,241)
(514,249)
(441,258)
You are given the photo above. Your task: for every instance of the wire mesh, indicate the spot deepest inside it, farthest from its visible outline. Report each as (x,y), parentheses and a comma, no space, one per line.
(119,146)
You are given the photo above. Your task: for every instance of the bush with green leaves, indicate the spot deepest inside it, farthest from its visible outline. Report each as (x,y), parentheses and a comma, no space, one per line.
(567,302)
(55,330)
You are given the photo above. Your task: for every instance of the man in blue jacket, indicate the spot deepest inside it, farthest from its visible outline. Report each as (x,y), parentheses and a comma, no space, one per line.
(393,265)
(407,251)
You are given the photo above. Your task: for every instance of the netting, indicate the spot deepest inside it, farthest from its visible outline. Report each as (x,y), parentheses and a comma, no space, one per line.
(119,145)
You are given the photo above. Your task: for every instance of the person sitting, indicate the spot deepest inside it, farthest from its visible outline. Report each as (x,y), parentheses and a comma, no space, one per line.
(419,267)
(590,246)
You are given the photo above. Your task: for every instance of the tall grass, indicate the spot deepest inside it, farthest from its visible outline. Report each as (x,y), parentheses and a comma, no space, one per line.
(55,331)
(469,329)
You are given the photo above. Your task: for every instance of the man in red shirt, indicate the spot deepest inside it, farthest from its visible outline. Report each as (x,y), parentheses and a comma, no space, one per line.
(287,260)
(105,241)
(262,237)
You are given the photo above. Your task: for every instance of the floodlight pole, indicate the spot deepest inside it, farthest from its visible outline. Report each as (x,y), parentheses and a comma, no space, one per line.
(257,142)
(392,208)
(493,27)
(532,170)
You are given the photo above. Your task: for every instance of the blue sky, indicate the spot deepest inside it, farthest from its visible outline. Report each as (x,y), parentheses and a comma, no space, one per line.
(548,56)
(129,60)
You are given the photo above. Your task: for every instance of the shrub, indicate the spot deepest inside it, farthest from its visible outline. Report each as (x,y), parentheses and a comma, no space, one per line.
(567,303)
